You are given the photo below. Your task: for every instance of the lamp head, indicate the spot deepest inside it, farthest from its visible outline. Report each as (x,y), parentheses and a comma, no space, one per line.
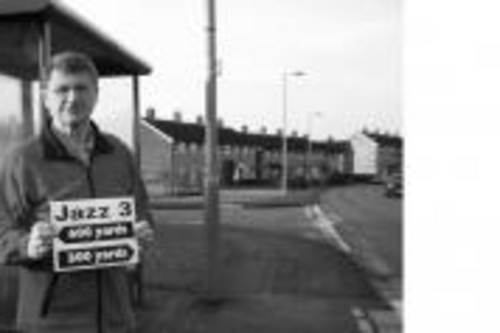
(298,73)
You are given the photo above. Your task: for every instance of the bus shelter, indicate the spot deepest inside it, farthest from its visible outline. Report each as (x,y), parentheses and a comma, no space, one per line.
(30,32)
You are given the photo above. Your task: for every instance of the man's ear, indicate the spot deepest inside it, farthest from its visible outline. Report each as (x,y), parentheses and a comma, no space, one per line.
(44,101)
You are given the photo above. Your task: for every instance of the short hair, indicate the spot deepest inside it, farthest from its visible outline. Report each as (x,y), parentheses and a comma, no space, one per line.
(73,62)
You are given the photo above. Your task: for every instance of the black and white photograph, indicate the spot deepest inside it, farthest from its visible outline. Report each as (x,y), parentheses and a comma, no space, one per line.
(202,166)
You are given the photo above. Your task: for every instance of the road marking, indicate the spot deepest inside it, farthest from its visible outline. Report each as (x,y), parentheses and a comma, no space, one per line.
(326,223)
(309,213)
(326,226)
(331,215)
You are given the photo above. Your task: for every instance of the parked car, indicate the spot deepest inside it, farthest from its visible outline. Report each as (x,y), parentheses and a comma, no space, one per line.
(394,185)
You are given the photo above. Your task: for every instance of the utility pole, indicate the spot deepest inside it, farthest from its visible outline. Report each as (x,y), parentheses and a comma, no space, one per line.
(284,139)
(211,179)
(44,55)
(309,151)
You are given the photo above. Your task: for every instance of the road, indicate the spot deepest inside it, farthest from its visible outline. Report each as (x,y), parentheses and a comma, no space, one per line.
(370,222)
(371,225)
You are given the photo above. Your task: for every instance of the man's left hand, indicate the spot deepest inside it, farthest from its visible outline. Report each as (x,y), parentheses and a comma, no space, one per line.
(144,232)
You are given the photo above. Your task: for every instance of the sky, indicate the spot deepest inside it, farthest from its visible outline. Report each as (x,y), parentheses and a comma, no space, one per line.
(348,49)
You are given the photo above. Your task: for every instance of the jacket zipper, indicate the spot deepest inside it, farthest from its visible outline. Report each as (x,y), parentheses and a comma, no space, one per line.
(90,181)
(50,289)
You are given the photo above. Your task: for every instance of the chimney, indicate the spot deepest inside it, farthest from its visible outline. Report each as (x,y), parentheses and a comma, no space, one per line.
(244,129)
(263,130)
(199,120)
(178,117)
(279,132)
(295,134)
(220,122)
(151,114)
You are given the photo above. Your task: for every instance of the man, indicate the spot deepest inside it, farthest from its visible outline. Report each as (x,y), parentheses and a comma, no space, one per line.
(70,159)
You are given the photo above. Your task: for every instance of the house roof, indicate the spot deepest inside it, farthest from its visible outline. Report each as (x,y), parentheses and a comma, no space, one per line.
(20,30)
(195,133)
(334,147)
(386,139)
(188,132)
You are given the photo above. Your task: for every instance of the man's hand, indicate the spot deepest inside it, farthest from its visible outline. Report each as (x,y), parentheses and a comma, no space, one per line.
(144,232)
(40,240)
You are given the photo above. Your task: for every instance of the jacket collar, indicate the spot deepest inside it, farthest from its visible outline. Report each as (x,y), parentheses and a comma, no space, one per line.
(54,149)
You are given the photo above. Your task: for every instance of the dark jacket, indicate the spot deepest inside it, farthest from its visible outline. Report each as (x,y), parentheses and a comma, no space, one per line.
(42,170)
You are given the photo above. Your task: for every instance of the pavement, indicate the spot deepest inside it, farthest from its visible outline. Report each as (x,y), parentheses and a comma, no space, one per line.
(266,281)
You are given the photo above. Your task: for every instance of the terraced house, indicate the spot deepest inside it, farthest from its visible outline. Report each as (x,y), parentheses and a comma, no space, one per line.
(376,155)
(172,156)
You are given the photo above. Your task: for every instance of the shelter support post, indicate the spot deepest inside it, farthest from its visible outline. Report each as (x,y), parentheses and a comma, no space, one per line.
(44,54)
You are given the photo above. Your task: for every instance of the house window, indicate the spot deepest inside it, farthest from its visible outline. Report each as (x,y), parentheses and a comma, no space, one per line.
(227,150)
(181,147)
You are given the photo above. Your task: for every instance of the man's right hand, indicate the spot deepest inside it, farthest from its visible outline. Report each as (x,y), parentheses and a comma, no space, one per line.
(40,240)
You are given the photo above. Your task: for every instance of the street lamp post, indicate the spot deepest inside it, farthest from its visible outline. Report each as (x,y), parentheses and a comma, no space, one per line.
(284,153)
(211,180)
(308,168)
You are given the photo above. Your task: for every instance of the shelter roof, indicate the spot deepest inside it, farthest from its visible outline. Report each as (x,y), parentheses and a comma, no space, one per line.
(21,27)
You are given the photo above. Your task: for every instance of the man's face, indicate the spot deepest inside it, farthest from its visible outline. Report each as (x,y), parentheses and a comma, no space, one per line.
(70,97)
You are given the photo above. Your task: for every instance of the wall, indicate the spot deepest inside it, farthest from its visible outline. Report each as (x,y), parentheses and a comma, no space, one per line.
(390,160)
(11,113)
(187,166)
(364,155)
(156,160)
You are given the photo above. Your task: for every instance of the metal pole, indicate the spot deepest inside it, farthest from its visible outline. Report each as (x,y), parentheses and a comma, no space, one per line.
(309,161)
(27,109)
(136,129)
(309,164)
(44,54)
(308,149)
(211,163)
(136,141)
(284,146)
(284,153)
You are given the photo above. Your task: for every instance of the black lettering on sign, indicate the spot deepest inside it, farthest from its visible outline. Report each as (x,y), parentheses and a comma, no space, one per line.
(125,208)
(76,258)
(103,212)
(77,213)
(73,234)
(114,255)
(63,214)
(77,234)
(106,255)
(112,231)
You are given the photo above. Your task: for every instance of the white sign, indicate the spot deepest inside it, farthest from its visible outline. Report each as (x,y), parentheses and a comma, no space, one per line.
(94,233)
